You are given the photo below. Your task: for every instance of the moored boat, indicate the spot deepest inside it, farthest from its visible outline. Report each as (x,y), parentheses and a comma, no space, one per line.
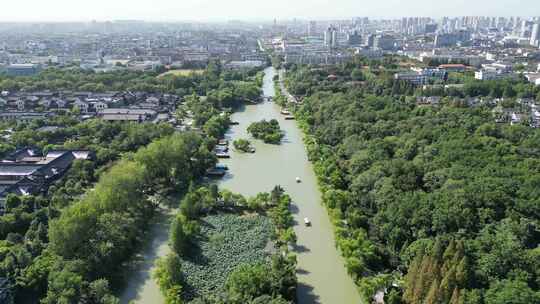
(222,155)
(215,172)
(221,149)
(221,167)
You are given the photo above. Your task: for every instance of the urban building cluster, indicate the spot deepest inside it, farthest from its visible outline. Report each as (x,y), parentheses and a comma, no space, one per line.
(26,49)
(493,47)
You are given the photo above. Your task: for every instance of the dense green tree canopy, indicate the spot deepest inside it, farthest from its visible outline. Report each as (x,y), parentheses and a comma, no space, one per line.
(400,179)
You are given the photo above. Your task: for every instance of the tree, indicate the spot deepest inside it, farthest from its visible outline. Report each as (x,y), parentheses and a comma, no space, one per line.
(242,145)
(66,284)
(168,274)
(509,92)
(500,251)
(511,292)
(433,296)
(176,160)
(357,75)
(12,202)
(99,293)
(248,282)
(287,237)
(181,233)
(216,126)
(268,131)
(441,272)
(283,273)
(277,194)
(119,190)
(455,299)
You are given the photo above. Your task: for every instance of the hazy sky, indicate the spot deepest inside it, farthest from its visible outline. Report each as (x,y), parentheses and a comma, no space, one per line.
(177,10)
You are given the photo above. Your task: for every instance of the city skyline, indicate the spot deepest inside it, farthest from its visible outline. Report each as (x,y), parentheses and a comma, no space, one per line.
(213,10)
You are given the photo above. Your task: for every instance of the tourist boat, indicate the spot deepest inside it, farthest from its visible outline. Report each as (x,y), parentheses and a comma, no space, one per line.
(298,179)
(307,222)
(223,142)
(289,117)
(285,112)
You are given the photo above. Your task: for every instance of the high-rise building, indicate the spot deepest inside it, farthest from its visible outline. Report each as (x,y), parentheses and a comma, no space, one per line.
(525,26)
(331,37)
(312,28)
(384,42)
(535,34)
(368,40)
(354,39)
(451,39)
(335,38)
(430,28)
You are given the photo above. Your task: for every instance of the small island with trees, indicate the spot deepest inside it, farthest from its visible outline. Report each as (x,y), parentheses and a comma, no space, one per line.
(267,131)
(243,145)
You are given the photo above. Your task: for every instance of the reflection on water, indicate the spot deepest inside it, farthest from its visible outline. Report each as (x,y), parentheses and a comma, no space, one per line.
(322,276)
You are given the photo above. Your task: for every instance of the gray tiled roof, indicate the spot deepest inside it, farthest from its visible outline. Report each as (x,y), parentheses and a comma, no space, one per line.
(15,169)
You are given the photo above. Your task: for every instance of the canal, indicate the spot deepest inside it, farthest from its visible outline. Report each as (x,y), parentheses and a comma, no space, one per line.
(321,273)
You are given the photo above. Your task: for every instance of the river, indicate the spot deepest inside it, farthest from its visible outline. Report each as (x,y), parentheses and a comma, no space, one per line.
(141,287)
(321,273)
